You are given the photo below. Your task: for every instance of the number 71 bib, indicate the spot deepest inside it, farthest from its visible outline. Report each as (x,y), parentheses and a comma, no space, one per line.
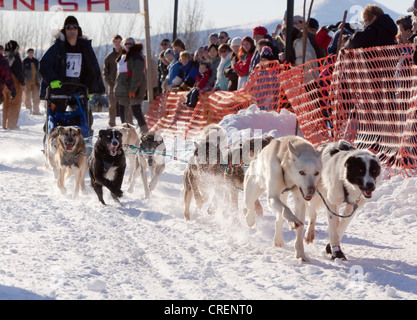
(74,61)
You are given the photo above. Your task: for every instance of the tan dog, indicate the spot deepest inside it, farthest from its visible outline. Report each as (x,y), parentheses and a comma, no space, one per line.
(130,137)
(70,157)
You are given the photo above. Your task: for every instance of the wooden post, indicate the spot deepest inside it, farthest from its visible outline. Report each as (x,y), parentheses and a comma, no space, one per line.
(148,51)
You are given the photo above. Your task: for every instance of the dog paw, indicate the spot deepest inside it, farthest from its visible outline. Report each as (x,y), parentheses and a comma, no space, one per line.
(302,257)
(63,191)
(295,224)
(130,190)
(310,237)
(279,242)
(250,220)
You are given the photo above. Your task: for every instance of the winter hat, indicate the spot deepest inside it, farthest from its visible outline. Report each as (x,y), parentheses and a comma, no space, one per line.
(260,31)
(236,41)
(267,53)
(11,46)
(71,21)
(413,7)
(169,51)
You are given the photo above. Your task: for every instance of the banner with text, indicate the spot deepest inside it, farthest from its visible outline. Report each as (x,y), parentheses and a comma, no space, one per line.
(114,6)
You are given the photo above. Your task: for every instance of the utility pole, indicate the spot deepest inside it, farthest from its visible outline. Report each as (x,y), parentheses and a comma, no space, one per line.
(148,51)
(174,32)
(290,26)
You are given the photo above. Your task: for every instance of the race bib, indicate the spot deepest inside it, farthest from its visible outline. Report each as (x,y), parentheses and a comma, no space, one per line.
(74,61)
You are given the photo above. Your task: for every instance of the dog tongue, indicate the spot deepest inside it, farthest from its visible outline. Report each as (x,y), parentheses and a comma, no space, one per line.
(69,146)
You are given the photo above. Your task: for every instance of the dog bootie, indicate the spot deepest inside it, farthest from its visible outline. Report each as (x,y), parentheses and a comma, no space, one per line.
(336,252)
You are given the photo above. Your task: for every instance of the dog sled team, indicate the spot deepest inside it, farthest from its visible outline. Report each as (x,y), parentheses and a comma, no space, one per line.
(335,176)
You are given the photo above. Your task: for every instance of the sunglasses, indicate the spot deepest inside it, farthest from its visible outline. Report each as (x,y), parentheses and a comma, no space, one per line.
(71,27)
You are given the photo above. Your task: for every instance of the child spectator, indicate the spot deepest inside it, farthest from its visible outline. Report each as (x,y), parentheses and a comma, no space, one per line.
(188,72)
(245,55)
(222,82)
(214,61)
(201,85)
(267,54)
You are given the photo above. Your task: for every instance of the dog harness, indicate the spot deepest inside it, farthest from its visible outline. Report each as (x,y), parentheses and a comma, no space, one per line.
(72,161)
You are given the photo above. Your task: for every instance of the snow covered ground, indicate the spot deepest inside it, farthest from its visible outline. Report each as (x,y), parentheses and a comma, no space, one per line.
(53,247)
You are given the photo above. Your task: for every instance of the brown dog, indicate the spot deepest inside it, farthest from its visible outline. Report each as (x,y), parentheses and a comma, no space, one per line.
(70,157)
(238,161)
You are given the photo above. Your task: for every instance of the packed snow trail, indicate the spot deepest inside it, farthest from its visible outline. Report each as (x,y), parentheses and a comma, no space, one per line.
(54,247)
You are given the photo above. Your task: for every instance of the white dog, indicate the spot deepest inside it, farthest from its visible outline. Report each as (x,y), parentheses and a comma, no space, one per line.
(286,164)
(349,177)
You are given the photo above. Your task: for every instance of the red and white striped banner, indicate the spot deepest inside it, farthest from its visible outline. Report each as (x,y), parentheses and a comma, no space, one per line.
(116,6)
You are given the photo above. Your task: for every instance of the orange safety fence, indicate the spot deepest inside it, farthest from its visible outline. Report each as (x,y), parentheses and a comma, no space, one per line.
(167,114)
(365,96)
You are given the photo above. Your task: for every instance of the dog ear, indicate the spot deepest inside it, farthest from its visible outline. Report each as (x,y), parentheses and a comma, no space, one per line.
(101,133)
(60,129)
(292,149)
(80,131)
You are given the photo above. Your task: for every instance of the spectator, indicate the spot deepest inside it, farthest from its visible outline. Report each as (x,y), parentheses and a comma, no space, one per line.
(223,37)
(173,69)
(298,22)
(32,78)
(242,66)
(379,29)
(110,74)
(213,53)
(260,33)
(214,39)
(225,53)
(332,48)
(11,105)
(201,85)
(162,63)
(405,29)
(188,71)
(178,46)
(70,49)
(6,78)
(199,55)
(229,72)
(313,28)
(131,83)
(310,54)
(162,69)
(267,54)
(1,50)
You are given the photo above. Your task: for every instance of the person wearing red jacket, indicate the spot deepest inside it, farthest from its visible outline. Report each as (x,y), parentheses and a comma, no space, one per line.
(242,66)
(201,85)
(6,78)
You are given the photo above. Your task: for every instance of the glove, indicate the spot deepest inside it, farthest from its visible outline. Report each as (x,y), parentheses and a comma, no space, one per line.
(132,95)
(56,84)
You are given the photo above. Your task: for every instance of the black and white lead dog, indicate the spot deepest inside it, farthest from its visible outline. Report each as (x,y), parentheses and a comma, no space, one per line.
(349,177)
(107,164)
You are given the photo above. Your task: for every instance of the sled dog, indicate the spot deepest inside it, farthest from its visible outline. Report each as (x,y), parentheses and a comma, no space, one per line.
(287,164)
(149,156)
(67,156)
(107,164)
(130,138)
(204,169)
(238,160)
(349,177)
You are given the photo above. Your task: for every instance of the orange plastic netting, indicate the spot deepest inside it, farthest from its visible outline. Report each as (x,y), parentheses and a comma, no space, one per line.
(167,114)
(365,96)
